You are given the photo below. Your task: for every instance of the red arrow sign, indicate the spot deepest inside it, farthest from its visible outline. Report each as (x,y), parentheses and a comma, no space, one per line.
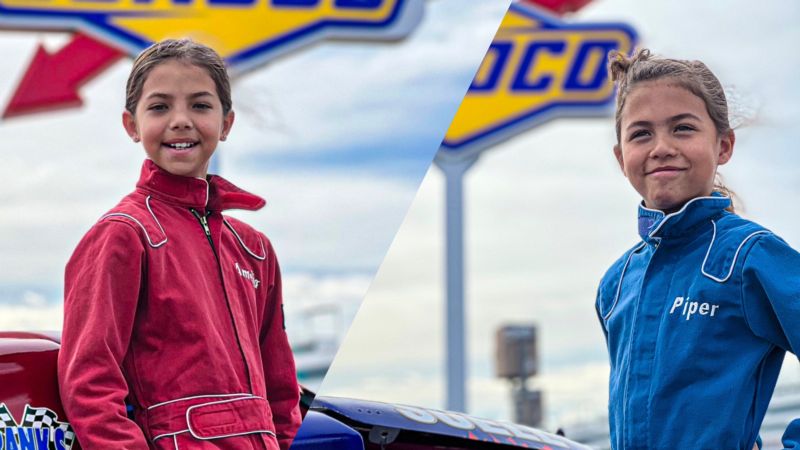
(52,81)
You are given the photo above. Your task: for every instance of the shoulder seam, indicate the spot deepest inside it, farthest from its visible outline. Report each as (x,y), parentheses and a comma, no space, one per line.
(735,255)
(741,287)
(146,234)
(129,225)
(261,257)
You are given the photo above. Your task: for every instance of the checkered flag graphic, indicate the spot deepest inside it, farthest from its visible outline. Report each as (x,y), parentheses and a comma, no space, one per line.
(6,419)
(69,435)
(45,418)
(38,418)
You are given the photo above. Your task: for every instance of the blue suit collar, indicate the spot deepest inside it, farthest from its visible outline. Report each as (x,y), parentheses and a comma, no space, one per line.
(654,224)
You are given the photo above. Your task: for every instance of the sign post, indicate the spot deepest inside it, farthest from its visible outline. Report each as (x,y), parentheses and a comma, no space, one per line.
(454,170)
(537,68)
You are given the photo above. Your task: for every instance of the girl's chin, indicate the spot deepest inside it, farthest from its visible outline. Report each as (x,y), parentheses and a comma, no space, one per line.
(185,170)
(667,206)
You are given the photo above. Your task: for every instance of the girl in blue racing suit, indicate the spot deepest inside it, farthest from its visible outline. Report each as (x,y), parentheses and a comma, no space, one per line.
(698,315)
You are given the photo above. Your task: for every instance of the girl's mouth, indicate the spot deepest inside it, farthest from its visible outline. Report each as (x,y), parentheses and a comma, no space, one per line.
(180,145)
(666,170)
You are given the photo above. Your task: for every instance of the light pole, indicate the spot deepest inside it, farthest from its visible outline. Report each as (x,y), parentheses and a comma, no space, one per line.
(454,169)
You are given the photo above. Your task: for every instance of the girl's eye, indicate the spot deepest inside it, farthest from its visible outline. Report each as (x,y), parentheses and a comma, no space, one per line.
(684,127)
(202,106)
(157,107)
(638,134)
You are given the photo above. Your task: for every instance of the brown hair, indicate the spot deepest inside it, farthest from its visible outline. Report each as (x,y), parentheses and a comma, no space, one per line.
(694,76)
(185,50)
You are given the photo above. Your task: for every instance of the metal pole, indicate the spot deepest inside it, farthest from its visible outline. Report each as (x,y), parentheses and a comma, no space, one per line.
(521,391)
(455,358)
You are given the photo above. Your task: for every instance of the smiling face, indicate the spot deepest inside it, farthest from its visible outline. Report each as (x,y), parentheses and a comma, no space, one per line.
(669,147)
(179,118)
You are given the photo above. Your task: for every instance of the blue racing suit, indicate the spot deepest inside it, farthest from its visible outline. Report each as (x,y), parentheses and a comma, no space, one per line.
(697,318)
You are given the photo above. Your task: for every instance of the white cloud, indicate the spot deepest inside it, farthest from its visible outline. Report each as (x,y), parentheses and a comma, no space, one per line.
(392,94)
(321,305)
(329,220)
(30,312)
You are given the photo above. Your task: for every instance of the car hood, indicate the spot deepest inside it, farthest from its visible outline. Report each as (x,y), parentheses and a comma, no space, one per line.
(440,423)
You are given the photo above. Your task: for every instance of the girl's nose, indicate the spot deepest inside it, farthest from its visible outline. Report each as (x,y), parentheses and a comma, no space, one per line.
(664,147)
(180,120)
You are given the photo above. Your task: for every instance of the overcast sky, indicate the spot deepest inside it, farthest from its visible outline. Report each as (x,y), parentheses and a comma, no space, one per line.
(336,137)
(548,211)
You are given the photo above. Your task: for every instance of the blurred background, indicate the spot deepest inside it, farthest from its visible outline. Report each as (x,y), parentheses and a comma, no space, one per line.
(337,136)
(547,211)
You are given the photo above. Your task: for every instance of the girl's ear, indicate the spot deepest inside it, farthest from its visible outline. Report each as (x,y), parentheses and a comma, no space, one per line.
(129,122)
(227,123)
(726,147)
(618,154)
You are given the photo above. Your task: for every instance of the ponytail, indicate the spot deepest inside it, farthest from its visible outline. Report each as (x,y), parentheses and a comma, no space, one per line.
(722,189)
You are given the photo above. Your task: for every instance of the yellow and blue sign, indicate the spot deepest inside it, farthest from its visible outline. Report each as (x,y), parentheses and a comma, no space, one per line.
(245,32)
(536,68)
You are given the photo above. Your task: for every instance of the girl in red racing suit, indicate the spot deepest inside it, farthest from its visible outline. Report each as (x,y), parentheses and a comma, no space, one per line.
(168,302)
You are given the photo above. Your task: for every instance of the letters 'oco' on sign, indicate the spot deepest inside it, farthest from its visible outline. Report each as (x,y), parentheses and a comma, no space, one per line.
(536,68)
(244,32)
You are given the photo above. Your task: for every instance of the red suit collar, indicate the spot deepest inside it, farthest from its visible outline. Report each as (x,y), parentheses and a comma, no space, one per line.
(214,192)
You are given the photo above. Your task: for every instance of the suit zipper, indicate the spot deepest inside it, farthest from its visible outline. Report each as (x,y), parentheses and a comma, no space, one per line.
(628,371)
(207,231)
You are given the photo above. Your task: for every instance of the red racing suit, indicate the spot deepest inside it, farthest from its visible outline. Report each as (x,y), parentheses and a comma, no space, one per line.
(177,308)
